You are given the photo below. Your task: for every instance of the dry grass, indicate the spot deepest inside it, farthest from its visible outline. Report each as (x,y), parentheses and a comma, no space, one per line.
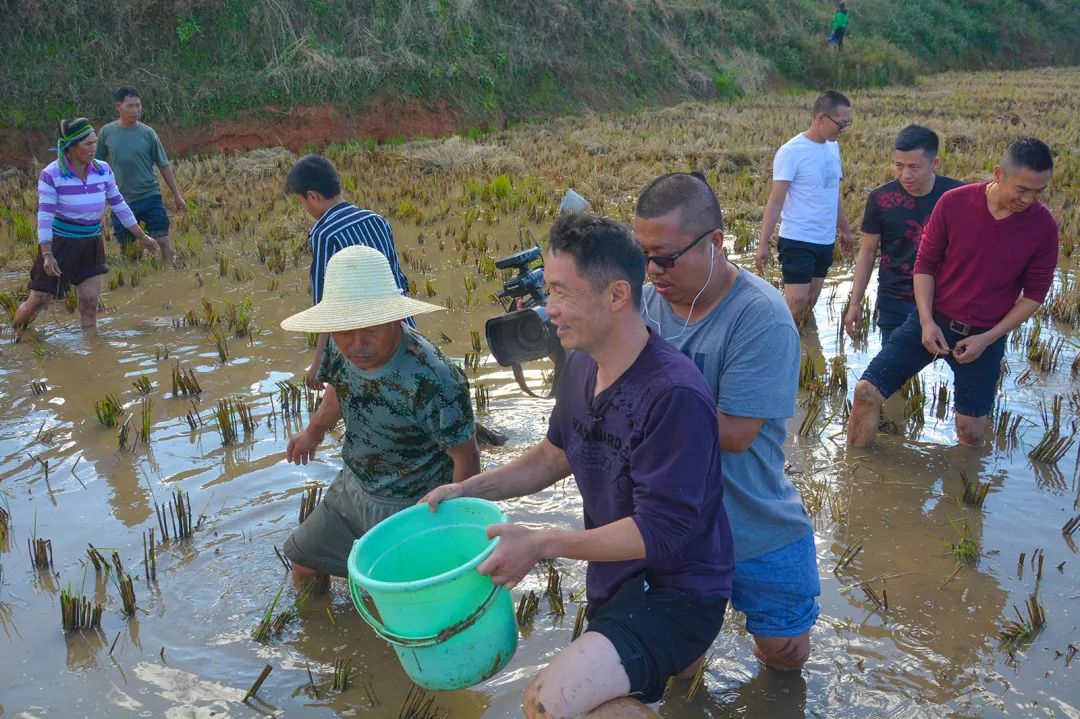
(458,188)
(266,162)
(457,155)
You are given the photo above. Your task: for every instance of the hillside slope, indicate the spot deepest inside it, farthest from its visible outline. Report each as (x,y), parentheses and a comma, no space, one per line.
(485,60)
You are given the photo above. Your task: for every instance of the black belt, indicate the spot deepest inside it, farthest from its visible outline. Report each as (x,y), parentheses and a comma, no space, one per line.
(960,328)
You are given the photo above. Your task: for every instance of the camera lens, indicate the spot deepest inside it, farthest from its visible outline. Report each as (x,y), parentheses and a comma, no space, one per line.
(530,332)
(518,337)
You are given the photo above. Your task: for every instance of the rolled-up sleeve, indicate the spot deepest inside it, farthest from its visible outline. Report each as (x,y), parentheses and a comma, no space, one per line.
(670,467)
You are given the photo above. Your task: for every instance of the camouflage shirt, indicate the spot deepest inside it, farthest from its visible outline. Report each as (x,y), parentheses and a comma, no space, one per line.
(401,418)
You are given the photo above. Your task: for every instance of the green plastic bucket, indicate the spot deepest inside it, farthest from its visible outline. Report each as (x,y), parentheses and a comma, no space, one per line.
(449,625)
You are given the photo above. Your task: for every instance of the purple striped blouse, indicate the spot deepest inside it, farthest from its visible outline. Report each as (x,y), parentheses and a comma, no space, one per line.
(81,203)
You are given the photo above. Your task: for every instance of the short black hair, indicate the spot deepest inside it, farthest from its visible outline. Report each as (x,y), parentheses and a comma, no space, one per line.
(1028,153)
(828,102)
(313,173)
(688,192)
(917,137)
(125,91)
(603,250)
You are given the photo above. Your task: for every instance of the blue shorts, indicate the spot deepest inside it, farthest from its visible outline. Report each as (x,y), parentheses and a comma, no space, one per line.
(801,261)
(658,632)
(778,591)
(150,212)
(903,356)
(892,313)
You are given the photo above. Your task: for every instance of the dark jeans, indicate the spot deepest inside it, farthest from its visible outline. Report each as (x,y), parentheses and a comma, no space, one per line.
(149,211)
(892,313)
(903,356)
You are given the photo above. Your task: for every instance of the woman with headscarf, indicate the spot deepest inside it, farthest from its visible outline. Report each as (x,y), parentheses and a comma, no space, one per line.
(72,195)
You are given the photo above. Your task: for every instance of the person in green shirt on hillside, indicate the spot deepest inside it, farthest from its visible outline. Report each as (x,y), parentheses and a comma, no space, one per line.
(839,26)
(133,149)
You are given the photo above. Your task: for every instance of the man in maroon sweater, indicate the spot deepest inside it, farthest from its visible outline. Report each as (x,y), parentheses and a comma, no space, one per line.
(984,265)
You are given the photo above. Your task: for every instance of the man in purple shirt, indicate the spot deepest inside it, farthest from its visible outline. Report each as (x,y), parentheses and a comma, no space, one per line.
(635,423)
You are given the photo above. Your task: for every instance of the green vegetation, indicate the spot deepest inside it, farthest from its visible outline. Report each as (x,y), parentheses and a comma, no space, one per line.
(214,58)
(965,549)
(107,409)
(1022,631)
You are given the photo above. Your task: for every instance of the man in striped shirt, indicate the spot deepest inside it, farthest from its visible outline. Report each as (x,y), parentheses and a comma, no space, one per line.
(314,181)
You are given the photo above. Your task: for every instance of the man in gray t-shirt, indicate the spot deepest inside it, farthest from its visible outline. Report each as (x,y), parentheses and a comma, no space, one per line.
(133,150)
(739,332)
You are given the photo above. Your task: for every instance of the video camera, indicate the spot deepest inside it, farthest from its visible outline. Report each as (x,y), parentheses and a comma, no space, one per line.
(524,333)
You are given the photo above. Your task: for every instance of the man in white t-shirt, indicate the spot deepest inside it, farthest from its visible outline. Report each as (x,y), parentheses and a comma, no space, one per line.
(806,199)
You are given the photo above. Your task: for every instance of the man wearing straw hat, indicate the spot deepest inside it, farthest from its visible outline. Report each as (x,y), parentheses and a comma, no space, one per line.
(408,416)
(635,422)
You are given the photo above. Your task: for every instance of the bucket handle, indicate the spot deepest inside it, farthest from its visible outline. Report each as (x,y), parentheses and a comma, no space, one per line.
(359,595)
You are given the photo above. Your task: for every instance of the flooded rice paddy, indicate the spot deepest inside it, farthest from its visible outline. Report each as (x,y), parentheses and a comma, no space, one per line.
(917,584)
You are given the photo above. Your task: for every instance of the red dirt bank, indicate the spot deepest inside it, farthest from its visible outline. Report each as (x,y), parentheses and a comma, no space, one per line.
(295,129)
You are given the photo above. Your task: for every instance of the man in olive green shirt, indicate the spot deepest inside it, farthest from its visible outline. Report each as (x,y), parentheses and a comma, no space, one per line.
(132,150)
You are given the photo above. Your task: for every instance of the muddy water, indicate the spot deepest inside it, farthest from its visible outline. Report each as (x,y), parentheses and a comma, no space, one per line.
(189,652)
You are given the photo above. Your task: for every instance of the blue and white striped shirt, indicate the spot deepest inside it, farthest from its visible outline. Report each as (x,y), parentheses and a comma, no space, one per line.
(345,225)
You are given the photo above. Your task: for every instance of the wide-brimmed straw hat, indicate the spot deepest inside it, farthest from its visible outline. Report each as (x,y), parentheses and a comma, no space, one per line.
(359,291)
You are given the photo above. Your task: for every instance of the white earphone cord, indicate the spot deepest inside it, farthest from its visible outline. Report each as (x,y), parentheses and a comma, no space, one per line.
(690,314)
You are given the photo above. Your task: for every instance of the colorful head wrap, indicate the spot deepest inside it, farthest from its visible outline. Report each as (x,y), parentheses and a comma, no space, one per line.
(72,132)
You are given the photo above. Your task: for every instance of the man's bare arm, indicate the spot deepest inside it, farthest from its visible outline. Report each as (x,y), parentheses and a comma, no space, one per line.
(170,179)
(773,206)
(466,457)
(737,434)
(864,267)
(541,466)
(843,226)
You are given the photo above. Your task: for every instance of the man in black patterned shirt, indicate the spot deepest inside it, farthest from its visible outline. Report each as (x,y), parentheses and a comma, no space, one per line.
(893,221)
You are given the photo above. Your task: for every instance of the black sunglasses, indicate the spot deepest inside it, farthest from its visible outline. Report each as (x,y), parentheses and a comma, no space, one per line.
(839,125)
(668,261)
